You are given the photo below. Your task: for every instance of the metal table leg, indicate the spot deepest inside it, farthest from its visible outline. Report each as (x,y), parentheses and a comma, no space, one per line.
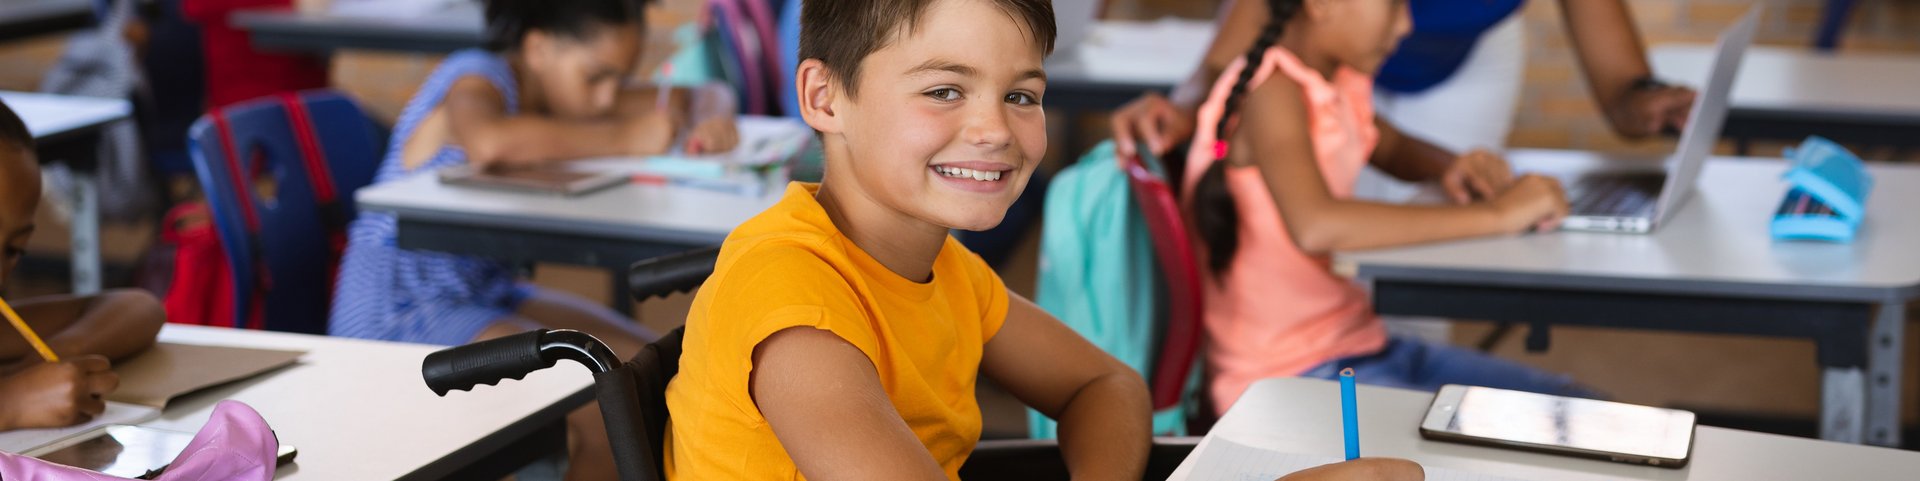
(85,232)
(1885,349)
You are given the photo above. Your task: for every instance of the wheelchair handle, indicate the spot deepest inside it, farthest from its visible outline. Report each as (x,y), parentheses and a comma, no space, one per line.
(487,362)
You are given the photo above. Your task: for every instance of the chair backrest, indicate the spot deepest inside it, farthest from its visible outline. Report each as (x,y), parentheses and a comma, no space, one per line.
(279,174)
(656,364)
(1180,342)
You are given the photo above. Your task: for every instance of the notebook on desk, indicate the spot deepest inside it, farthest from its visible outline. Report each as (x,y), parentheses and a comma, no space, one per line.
(552,180)
(148,381)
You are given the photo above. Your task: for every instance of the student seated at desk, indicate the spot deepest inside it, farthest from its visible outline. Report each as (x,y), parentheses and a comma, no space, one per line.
(842,330)
(551,87)
(85,331)
(1281,138)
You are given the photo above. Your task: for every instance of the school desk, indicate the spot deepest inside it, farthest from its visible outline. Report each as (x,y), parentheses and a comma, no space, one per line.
(611,228)
(27,18)
(1711,268)
(427,27)
(1302,416)
(357,409)
(1787,94)
(67,130)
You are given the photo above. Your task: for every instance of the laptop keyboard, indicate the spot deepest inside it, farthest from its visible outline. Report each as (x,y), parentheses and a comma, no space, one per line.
(1616,195)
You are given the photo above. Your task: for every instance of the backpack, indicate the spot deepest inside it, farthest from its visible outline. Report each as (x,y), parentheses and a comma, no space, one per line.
(202,289)
(1098,273)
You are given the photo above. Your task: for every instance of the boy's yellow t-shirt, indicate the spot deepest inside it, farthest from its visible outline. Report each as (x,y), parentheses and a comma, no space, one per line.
(790,267)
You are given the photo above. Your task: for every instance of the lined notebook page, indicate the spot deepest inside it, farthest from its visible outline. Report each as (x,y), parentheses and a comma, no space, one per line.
(1226,460)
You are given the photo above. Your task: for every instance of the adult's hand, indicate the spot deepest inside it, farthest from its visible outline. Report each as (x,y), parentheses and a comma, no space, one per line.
(1650,111)
(1152,119)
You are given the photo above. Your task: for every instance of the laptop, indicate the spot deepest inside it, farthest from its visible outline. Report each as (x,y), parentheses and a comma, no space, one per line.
(1638,201)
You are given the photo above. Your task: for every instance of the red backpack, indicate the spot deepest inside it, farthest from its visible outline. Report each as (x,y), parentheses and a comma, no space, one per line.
(201,291)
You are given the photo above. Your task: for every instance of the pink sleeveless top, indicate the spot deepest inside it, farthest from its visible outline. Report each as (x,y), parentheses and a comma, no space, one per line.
(1279,311)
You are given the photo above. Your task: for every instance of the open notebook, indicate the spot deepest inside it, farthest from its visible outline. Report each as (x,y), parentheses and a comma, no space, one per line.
(1225,460)
(148,381)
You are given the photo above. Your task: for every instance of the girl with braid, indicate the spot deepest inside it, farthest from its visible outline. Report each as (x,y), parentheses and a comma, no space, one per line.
(1280,140)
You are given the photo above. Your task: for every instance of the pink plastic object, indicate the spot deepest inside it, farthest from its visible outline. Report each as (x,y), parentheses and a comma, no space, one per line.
(235,445)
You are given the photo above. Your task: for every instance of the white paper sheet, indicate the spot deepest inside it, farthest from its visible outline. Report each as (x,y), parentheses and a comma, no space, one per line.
(24,440)
(1225,460)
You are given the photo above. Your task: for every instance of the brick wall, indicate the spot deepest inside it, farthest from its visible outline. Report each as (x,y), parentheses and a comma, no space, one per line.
(1558,110)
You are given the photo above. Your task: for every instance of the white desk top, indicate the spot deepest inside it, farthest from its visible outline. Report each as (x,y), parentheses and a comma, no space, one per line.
(14,11)
(49,115)
(359,410)
(1303,416)
(1161,52)
(631,211)
(1718,243)
(1804,81)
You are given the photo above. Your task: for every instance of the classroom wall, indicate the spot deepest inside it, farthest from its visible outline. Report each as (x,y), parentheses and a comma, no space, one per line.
(1558,111)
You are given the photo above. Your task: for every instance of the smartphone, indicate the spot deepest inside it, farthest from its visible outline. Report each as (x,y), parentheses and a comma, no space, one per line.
(1611,431)
(130,451)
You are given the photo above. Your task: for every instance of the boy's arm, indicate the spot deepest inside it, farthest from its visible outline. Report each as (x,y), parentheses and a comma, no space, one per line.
(477,116)
(117,324)
(823,398)
(1102,405)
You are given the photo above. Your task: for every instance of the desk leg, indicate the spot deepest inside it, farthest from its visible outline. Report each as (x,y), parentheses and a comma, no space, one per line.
(1886,348)
(85,233)
(1842,404)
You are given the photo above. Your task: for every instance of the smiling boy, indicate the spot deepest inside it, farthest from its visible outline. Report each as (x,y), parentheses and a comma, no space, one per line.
(842,330)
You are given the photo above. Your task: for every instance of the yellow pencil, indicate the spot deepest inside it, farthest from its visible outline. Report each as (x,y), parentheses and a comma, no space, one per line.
(27,332)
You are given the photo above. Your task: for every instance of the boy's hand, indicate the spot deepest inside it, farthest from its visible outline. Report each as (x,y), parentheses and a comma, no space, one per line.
(1153,119)
(53,395)
(1534,202)
(1479,174)
(649,133)
(1375,469)
(713,135)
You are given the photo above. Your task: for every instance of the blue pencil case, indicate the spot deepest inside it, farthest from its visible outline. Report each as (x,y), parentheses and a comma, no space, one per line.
(1828,197)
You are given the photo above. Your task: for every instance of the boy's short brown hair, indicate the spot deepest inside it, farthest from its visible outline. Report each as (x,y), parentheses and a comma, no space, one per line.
(842,33)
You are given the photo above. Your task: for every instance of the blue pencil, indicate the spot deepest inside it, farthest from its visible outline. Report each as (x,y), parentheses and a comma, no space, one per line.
(1349,415)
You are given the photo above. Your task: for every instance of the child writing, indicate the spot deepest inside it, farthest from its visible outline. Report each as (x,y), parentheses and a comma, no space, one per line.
(84,331)
(1281,138)
(842,330)
(551,87)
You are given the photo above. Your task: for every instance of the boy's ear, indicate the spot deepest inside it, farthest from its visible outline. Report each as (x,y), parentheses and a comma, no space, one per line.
(817,95)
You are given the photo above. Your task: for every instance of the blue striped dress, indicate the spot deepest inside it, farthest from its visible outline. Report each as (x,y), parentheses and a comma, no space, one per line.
(387,293)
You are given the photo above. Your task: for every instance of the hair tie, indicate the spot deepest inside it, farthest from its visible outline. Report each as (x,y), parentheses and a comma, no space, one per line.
(1219,149)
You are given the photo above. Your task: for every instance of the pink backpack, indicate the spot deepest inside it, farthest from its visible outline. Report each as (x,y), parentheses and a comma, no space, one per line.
(235,445)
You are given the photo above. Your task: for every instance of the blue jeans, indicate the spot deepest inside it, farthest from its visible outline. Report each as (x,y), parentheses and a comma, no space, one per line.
(1414,364)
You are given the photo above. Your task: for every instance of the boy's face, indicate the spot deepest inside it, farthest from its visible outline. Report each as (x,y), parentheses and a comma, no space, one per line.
(947,126)
(582,77)
(19,197)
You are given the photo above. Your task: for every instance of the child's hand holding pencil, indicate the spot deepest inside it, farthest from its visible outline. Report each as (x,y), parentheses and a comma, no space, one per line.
(56,394)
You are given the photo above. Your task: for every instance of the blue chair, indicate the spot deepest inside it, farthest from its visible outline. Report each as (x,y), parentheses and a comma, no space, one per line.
(279,175)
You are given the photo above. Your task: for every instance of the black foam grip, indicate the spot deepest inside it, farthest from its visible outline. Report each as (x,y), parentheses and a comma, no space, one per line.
(665,275)
(634,454)
(485,362)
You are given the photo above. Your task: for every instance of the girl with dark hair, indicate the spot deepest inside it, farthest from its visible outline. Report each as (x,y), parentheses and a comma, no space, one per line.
(551,87)
(1281,138)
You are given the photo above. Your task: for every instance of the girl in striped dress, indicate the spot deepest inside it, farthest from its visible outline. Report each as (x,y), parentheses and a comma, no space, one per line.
(549,87)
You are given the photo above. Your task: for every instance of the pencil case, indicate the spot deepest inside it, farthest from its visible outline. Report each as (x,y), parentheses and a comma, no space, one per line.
(1828,193)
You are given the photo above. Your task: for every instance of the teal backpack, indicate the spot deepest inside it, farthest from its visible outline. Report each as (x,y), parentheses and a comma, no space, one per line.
(1098,273)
